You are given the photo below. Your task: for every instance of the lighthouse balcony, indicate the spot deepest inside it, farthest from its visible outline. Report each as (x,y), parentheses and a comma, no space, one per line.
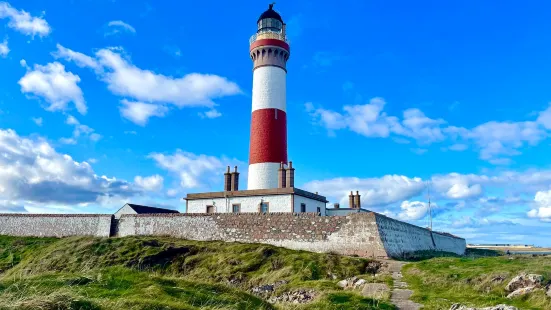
(278,35)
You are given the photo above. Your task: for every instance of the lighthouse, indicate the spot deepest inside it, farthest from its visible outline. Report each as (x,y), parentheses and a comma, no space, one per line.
(269,51)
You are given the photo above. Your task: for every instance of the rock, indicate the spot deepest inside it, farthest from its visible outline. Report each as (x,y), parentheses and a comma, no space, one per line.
(346,283)
(524,280)
(498,307)
(375,290)
(360,282)
(342,283)
(267,289)
(296,297)
(521,291)
(498,279)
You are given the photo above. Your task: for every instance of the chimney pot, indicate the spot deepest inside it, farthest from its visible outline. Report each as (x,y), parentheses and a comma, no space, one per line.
(235,180)
(290,175)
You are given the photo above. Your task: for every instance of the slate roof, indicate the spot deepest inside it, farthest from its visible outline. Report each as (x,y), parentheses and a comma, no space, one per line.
(148,210)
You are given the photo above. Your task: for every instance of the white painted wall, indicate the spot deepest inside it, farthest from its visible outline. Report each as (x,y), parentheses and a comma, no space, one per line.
(277,203)
(263,176)
(124,210)
(311,205)
(269,88)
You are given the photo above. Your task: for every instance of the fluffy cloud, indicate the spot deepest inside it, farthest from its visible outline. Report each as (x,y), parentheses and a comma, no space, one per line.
(147,88)
(118,26)
(78,131)
(210,114)
(4,49)
(391,189)
(140,112)
(495,141)
(543,209)
(55,85)
(152,183)
(23,21)
(414,210)
(33,172)
(193,170)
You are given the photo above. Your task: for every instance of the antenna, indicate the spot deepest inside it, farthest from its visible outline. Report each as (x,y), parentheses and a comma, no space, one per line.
(430,209)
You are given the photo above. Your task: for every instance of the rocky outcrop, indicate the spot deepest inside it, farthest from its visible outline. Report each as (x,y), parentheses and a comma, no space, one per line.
(498,307)
(267,289)
(351,283)
(523,281)
(295,297)
(523,284)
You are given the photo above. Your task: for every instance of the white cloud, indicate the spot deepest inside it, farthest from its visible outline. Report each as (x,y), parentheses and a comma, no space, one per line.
(32,171)
(147,88)
(495,141)
(414,210)
(118,26)
(140,112)
(79,59)
(4,49)
(194,170)
(172,192)
(55,85)
(152,183)
(23,21)
(79,130)
(38,121)
(210,114)
(543,209)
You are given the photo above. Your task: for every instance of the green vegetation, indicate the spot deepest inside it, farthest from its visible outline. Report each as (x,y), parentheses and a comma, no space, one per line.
(474,280)
(167,273)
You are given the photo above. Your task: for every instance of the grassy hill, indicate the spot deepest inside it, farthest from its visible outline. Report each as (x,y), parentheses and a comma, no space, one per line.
(167,273)
(475,280)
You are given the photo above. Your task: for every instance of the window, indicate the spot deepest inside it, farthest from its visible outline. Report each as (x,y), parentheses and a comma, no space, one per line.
(264,208)
(319,210)
(302,207)
(210,209)
(236,208)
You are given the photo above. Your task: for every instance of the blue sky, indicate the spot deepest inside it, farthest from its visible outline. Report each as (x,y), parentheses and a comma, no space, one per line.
(106,102)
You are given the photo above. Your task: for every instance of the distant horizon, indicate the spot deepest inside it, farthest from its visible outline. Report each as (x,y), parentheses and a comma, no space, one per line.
(109,102)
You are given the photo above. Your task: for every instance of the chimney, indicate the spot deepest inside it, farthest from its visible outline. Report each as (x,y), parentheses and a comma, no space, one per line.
(357,202)
(281,176)
(336,205)
(235,180)
(227,180)
(290,175)
(351,200)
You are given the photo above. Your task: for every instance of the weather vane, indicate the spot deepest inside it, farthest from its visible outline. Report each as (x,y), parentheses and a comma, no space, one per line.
(272,5)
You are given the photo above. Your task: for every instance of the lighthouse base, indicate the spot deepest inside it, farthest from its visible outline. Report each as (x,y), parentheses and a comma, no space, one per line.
(263,176)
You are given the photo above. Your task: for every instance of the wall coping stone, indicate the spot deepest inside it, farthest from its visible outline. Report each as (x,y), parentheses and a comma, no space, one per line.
(52,215)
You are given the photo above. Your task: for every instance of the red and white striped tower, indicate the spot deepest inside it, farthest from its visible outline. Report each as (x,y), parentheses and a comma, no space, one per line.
(269,51)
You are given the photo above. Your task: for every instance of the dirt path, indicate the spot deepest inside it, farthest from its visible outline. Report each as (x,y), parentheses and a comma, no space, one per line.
(400,294)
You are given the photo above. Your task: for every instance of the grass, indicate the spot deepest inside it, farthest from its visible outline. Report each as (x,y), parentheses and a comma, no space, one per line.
(168,273)
(440,282)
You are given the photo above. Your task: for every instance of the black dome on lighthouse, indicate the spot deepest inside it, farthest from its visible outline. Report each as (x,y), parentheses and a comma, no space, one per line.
(270,13)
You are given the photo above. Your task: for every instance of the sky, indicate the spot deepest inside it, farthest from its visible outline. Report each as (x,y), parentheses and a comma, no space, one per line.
(111,101)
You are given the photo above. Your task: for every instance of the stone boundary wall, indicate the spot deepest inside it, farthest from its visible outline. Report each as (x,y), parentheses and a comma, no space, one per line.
(55,225)
(400,237)
(365,234)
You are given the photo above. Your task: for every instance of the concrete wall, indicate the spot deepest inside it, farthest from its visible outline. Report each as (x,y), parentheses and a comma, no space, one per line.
(277,203)
(449,243)
(311,205)
(55,225)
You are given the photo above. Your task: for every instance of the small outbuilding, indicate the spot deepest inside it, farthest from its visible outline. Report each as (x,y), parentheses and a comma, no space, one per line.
(131,208)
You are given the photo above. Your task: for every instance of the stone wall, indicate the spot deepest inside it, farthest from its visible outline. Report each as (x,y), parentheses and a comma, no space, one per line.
(55,225)
(365,234)
(400,237)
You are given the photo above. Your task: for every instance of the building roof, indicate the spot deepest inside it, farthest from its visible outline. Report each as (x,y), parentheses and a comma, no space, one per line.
(257,192)
(149,210)
(270,13)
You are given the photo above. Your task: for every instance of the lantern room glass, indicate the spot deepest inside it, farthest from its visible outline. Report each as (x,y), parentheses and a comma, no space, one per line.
(269,25)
